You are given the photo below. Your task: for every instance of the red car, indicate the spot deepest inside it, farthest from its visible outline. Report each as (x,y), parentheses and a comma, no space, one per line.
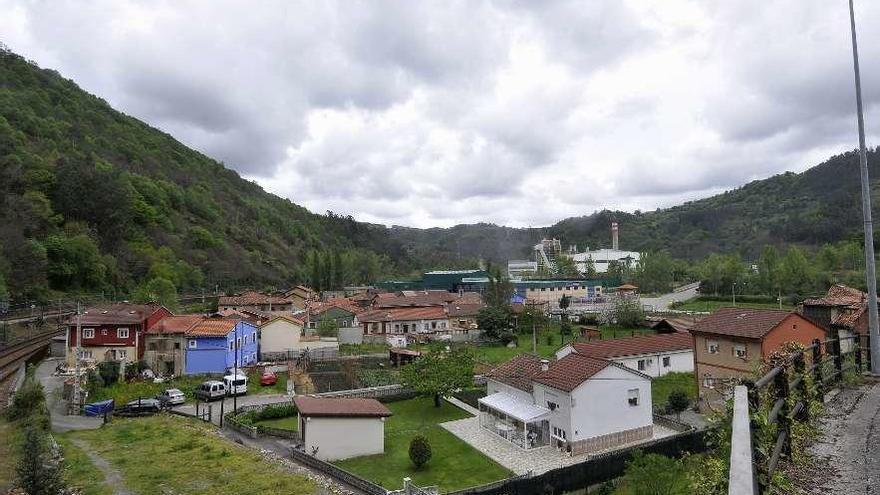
(268,378)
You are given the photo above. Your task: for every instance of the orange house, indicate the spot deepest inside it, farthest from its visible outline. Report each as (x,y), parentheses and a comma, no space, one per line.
(732,343)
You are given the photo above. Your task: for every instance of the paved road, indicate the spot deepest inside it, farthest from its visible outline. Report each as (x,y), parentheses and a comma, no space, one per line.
(849,448)
(52,386)
(662,303)
(228,403)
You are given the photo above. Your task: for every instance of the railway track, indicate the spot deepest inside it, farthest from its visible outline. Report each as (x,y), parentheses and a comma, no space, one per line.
(16,353)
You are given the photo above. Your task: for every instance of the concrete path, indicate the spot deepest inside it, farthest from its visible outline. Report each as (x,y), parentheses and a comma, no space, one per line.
(663,302)
(52,387)
(112,477)
(849,450)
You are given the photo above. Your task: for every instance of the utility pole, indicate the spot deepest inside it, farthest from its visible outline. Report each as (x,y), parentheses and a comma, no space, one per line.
(76,383)
(870,268)
(733,291)
(235,373)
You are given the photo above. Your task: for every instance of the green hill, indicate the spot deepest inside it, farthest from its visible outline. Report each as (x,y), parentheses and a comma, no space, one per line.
(94,200)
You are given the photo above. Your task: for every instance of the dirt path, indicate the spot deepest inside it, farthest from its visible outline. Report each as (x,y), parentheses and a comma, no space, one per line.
(848,451)
(112,477)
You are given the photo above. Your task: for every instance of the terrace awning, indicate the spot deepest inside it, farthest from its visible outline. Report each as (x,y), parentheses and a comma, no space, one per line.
(515,408)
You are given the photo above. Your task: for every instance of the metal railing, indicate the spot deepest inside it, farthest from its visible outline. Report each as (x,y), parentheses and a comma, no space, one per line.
(780,386)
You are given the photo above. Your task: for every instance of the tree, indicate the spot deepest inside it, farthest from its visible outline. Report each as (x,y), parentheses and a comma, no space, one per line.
(677,402)
(37,473)
(419,451)
(564,329)
(328,327)
(499,290)
(564,303)
(566,267)
(768,270)
(796,274)
(590,268)
(654,474)
(494,321)
(438,374)
(654,272)
(158,290)
(627,312)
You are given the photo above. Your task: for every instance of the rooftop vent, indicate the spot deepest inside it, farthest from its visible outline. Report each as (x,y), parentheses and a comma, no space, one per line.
(545,365)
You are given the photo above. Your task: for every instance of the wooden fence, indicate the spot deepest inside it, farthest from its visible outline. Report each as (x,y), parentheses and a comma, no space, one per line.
(823,361)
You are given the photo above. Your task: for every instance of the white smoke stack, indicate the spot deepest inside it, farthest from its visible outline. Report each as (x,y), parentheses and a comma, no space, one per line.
(545,365)
(614,243)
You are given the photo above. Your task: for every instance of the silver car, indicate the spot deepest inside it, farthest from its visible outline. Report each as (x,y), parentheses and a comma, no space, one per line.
(171,397)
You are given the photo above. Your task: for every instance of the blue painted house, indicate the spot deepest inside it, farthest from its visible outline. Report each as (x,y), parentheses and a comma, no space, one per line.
(213,344)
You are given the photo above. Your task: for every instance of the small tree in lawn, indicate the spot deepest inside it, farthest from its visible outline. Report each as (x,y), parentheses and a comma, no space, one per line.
(328,327)
(438,374)
(677,402)
(419,451)
(37,474)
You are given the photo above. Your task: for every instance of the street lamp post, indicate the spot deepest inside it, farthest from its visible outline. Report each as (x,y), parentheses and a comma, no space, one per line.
(870,268)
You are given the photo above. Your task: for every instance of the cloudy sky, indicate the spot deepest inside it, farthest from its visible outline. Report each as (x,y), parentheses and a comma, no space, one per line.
(437,113)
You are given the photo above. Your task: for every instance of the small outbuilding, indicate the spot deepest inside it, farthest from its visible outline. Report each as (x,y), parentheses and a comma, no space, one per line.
(338,428)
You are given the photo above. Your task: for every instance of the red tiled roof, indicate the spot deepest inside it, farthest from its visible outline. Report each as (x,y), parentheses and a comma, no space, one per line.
(340,407)
(635,346)
(572,370)
(839,295)
(251,298)
(177,324)
(111,314)
(317,308)
(292,319)
(745,323)
(403,314)
(518,372)
(213,327)
(455,309)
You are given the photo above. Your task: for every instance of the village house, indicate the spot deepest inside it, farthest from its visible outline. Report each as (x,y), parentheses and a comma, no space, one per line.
(255,301)
(653,355)
(843,312)
(283,337)
(731,344)
(166,344)
(404,320)
(338,428)
(340,311)
(113,332)
(577,404)
(215,345)
(300,296)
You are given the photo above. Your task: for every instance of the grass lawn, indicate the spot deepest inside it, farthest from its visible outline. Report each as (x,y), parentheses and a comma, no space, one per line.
(616,332)
(358,349)
(124,392)
(662,386)
(254,387)
(79,471)
(709,306)
(291,423)
(548,343)
(168,454)
(454,464)
(8,454)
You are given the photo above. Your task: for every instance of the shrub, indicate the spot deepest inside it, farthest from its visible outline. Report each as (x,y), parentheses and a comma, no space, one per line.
(275,412)
(677,402)
(27,400)
(37,473)
(654,474)
(109,371)
(419,451)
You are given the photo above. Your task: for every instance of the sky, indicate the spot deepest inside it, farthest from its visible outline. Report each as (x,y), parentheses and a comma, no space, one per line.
(518,113)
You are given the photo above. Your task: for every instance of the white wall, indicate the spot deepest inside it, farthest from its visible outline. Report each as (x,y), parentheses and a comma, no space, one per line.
(493,386)
(679,362)
(279,336)
(600,405)
(341,438)
(565,351)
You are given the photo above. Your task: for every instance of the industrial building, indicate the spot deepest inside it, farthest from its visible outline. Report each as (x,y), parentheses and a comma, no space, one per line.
(549,250)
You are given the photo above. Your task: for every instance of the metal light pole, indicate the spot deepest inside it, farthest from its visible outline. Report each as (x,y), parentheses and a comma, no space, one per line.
(870,269)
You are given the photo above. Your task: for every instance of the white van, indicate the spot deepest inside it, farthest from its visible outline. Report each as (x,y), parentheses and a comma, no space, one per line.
(235,384)
(211,390)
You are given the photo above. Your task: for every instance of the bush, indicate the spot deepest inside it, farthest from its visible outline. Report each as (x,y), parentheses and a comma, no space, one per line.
(109,371)
(677,402)
(419,451)
(654,474)
(275,412)
(27,400)
(37,473)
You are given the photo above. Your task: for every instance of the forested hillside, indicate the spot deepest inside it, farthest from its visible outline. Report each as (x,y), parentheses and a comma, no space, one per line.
(94,200)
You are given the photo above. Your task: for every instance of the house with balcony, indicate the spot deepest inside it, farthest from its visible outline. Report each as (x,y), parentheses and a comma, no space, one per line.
(404,320)
(215,345)
(653,355)
(166,344)
(577,404)
(112,332)
(732,343)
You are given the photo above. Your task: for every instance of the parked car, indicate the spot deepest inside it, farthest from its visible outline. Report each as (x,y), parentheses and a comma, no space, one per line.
(143,405)
(235,384)
(171,397)
(211,390)
(268,378)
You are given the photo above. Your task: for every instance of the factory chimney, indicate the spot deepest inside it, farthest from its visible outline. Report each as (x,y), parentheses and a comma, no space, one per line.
(614,243)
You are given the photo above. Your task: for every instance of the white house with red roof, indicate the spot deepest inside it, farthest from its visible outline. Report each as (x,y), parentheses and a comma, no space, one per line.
(577,403)
(653,355)
(339,428)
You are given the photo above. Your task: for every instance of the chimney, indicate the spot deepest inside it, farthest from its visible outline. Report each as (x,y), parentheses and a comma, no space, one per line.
(545,365)
(614,243)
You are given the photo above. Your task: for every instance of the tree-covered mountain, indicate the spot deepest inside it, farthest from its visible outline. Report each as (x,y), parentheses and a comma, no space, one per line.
(95,200)
(818,206)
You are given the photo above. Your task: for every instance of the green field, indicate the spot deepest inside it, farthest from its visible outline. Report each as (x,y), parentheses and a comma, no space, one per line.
(291,423)
(662,386)
(454,464)
(8,454)
(168,454)
(79,471)
(710,305)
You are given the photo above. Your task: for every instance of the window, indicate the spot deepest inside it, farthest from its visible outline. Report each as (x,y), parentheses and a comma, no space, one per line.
(103,331)
(641,365)
(231,345)
(739,350)
(191,343)
(121,354)
(427,327)
(666,362)
(712,346)
(177,345)
(708,381)
(633,396)
(85,354)
(122,333)
(434,324)
(442,324)
(88,333)
(559,433)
